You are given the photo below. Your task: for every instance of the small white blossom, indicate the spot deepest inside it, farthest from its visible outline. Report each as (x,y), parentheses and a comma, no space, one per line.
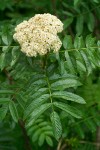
(38,35)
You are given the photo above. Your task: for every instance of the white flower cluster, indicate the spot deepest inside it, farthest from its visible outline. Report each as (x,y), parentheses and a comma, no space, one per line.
(38,35)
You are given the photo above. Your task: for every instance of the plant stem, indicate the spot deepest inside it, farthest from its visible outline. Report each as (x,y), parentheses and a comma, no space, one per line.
(98,138)
(44,67)
(21,123)
(8,77)
(59,144)
(26,138)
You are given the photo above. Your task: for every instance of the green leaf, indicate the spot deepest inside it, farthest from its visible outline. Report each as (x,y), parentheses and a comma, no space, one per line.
(5,39)
(69,62)
(80,66)
(45,124)
(79,130)
(90,124)
(67,22)
(49,140)
(13,111)
(91,22)
(6,92)
(69,14)
(36,134)
(55,77)
(76,2)
(29,59)
(65,83)
(2,61)
(5,49)
(36,113)
(79,24)
(68,96)
(87,62)
(46,127)
(56,123)
(67,42)
(49,133)
(41,139)
(90,41)
(35,103)
(37,77)
(79,42)
(6,36)
(15,54)
(39,93)
(62,67)
(51,68)
(68,109)
(39,82)
(20,100)
(58,57)
(3,112)
(98,44)
(32,129)
(92,57)
(4,100)
(97,120)
(96,1)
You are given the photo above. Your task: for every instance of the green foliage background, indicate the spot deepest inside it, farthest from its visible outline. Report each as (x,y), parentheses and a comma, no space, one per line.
(42,99)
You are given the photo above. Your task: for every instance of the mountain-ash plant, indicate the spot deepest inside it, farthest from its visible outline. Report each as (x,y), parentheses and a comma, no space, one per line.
(45,74)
